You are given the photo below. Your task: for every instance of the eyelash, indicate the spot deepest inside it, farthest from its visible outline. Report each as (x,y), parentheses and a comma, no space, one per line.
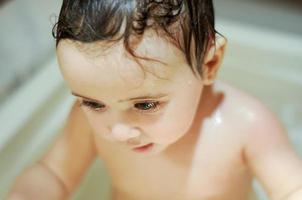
(98,107)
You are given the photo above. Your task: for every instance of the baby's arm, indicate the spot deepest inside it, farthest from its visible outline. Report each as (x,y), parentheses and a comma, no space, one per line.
(60,171)
(272,159)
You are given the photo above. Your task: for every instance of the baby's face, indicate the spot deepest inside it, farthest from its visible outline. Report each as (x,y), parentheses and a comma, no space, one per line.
(122,101)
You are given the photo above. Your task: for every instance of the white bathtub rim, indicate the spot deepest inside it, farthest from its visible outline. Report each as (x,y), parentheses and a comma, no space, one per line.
(261,38)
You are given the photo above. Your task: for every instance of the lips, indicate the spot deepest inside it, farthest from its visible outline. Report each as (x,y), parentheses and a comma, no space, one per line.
(143,148)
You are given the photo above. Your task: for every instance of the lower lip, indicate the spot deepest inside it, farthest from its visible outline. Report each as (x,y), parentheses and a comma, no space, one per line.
(144,148)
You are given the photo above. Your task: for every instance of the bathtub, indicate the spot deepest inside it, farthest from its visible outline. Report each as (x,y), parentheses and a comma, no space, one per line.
(264,63)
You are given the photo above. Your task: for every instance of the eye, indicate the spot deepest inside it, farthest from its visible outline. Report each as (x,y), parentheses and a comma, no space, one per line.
(147,106)
(92,105)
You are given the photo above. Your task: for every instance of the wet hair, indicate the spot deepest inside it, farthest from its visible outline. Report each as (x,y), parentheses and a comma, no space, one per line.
(189,24)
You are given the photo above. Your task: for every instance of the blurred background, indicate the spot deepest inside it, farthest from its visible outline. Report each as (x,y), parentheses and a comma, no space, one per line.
(264,57)
(25,40)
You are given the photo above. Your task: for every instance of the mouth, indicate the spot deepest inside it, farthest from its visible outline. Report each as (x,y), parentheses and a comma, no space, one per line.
(143,148)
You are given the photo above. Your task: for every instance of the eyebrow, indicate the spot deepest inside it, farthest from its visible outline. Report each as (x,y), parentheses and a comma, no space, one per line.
(130,99)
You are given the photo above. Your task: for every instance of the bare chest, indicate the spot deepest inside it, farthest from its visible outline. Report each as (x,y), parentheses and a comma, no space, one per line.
(208,172)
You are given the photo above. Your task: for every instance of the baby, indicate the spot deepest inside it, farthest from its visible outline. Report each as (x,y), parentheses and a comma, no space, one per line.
(148,105)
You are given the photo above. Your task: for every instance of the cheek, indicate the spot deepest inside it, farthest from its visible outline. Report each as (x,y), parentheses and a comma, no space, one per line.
(177,119)
(169,131)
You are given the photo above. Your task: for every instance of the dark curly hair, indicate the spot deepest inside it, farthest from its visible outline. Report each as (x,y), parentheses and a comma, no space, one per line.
(189,24)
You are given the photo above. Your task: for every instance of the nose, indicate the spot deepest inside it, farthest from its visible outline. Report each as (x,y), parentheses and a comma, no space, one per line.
(122,132)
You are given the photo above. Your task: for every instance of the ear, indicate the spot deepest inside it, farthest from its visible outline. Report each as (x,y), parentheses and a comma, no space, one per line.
(212,60)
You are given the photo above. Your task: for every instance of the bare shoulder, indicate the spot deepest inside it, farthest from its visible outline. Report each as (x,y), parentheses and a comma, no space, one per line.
(246,110)
(73,151)
(250,120)
(267,150)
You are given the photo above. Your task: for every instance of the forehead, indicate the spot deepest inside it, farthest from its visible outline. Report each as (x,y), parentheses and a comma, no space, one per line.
(91,66)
